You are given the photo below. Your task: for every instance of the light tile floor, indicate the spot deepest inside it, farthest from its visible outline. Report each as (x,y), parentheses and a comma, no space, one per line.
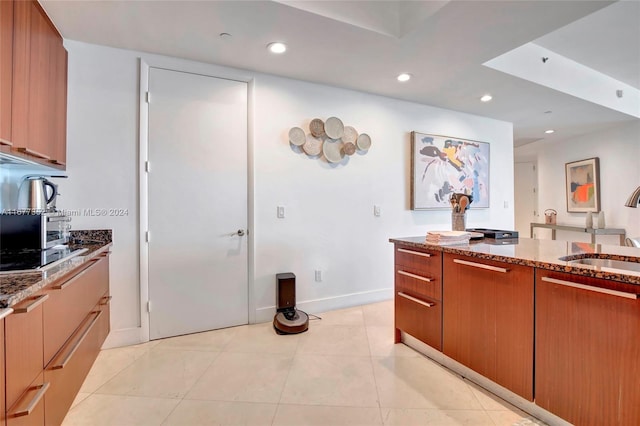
(344,371)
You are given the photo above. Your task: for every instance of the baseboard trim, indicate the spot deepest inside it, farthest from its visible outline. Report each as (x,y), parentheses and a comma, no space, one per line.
(266,314)
(123,337)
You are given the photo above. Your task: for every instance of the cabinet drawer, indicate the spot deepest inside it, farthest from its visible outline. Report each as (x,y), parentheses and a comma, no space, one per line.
(419,284)
(420,317)
(69,303)
(422,262)
(68,369)
(23,346)
(29,409)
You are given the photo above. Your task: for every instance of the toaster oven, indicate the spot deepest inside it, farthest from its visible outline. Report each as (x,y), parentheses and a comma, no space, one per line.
(34,231)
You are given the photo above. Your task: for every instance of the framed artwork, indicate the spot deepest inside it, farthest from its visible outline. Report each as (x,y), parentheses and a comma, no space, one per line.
(583,185)
(442,165)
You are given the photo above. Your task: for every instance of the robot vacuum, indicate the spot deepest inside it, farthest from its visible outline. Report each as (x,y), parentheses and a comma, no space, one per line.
(288,320)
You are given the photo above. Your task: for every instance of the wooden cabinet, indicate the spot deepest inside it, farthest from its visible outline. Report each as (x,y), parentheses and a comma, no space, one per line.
(72,342)
(71,301)
(23,358)
(418,294)
(39,87)
(6,70)
(488,319)
(51,341)
(587,352)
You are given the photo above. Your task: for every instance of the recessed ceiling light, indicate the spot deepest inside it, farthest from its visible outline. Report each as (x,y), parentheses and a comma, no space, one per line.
(486,98)
(549,131)
(277,47)
(404,77)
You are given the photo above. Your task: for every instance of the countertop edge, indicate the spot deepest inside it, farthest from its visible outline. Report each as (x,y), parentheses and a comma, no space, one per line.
(43,279)
(557,266)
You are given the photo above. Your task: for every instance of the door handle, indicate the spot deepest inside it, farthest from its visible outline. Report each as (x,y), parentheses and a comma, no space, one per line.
(239,233)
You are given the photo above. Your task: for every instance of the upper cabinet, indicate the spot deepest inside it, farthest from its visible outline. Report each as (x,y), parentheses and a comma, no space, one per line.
(39,87)
(6,70)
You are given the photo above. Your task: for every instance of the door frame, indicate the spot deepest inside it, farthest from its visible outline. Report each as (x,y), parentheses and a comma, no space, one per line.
(171,64)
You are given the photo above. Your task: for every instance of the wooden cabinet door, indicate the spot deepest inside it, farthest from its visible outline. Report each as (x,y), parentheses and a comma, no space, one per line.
(587,352)
(38,101)
(6,69)
(58,101)
(23,347)
(488,319)
(30,408)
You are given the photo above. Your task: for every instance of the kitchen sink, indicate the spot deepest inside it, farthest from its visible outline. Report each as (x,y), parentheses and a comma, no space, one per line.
(623,265)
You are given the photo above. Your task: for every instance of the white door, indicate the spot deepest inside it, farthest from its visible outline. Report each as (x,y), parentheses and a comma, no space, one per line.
(198,264)
(525,197)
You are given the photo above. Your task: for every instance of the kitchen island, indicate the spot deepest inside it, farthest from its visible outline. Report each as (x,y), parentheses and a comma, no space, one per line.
(55,322)
(530,322)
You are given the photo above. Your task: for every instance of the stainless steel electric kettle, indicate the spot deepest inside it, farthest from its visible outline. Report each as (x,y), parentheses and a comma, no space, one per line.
(33,195)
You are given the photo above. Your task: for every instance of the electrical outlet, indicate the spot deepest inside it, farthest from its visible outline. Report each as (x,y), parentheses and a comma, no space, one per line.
(318,275)
(506,204)
(280,212)
(376,210)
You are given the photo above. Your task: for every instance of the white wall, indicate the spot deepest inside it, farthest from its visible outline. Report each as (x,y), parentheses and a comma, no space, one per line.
(618,149)
(329,222)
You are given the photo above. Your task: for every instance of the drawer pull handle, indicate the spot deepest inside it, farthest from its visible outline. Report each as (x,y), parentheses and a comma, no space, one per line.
(591,288)
(34,153)
(481,265)
(73,350)
(414,299)
(418,277)
(36,399)
(417,253)
(107,300)
(75,277)
(31,306)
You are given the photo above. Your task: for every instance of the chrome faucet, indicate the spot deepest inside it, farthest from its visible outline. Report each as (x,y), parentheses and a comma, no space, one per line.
(633,199)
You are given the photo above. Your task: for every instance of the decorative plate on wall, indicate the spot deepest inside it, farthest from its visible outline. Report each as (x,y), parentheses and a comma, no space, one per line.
(349,148)
(297,136)
(313,145)
(334,127)
(316,127)
(349,135)
(364,141)
(333,150)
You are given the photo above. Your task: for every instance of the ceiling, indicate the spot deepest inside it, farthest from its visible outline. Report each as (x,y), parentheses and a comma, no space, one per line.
(364,45)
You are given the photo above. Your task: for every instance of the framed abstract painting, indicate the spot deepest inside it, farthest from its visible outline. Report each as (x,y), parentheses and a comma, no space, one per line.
(443,165)
(583,186)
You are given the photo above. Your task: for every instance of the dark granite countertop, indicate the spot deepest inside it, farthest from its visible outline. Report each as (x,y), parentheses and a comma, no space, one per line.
(543,254)
(14,288)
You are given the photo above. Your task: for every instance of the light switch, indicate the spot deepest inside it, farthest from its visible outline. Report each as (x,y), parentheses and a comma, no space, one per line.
(376,210)
(280,212)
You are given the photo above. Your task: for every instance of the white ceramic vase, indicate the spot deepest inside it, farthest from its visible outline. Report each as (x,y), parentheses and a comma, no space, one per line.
(589,221)
(601,219)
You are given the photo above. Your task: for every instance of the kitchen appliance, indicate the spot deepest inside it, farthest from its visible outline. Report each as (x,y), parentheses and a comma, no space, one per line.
(33,230)
(33,195)
(288,320)
(34,260)
(495,233)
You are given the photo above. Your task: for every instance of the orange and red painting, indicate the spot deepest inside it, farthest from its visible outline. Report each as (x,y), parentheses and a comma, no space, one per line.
(583,186)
